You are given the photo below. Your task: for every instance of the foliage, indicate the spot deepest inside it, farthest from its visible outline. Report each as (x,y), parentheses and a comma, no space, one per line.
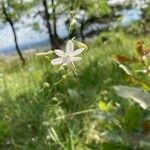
(54,103)
(83,112)
(138,75)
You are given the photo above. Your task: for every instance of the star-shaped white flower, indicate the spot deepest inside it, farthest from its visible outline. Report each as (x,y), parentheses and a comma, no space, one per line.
(68,56)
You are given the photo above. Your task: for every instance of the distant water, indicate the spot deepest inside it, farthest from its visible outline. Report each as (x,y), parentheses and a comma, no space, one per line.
(130,15)
(29,38)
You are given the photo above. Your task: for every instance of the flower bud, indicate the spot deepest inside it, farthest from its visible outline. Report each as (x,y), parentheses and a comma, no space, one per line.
(143,57)
(64,77)
(72,24)
(54,100)
(46,85)
(72,13)
(80,44)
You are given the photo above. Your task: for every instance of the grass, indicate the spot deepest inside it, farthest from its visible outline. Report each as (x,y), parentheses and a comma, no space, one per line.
(30,119)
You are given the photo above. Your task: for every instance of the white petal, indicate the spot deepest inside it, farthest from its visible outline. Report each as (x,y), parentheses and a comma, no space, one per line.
(69,47)
(73,59)
(68,60)
(77,52)
(59,53)
(57,61)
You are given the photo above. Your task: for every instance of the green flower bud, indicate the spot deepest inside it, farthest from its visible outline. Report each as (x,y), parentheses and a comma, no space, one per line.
(72,13)
(72,24)
(64,77)
(46,85)
(80,44)
(54,100)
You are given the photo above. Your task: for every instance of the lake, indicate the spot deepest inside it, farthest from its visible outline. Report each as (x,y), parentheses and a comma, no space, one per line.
(29,38)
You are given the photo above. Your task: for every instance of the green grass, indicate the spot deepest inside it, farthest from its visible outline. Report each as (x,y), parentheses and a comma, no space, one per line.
(28,118)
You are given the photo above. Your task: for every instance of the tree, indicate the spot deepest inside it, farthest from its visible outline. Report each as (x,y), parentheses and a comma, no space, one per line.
(54,18)
(48,14)
(89,12)
(142,7)
(47,18)
(10,12)
(145,16)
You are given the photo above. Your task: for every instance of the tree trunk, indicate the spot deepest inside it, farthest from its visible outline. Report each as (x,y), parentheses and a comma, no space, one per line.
(16,43)
(47,17)
(81,31)
(8,19)
(55,24)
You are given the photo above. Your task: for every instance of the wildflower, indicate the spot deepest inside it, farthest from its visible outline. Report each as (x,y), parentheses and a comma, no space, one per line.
(68,56)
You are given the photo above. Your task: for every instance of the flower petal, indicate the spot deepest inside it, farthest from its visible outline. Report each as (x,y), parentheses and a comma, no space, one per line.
(68,60)
(59,53)
(69,47)
(73,59)
(77,52)
(57,61)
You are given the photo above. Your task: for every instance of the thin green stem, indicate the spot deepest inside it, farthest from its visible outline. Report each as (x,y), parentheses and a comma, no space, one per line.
(75,114)
(74,68)
(56,83)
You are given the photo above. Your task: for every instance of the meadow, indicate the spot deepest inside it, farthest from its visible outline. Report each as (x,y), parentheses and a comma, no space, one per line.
(82,112)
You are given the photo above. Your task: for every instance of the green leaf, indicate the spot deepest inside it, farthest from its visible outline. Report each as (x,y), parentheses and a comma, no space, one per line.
(111,145)
(54,135)
(138,95)
(124,68)
(73,94)
(132,118)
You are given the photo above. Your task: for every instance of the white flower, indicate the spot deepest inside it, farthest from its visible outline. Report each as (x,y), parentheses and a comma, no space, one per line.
(68,56)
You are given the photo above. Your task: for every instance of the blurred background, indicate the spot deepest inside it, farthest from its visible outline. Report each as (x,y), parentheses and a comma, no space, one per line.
(29,19)
(82,112)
